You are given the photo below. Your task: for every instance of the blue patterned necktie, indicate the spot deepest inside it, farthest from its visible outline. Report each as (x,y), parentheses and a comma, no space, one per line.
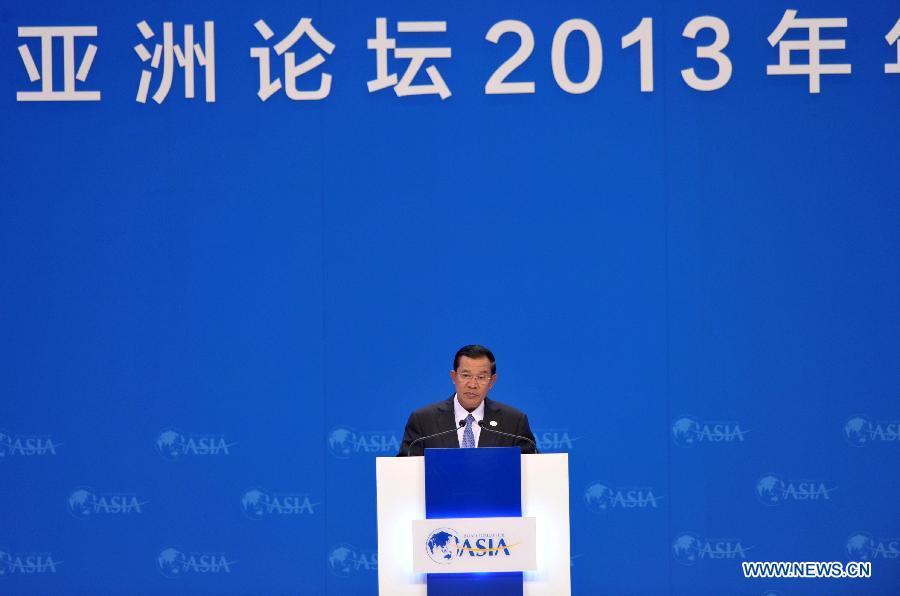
(468,435)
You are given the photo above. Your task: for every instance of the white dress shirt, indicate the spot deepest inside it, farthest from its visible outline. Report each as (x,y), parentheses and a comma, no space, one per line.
(460,413)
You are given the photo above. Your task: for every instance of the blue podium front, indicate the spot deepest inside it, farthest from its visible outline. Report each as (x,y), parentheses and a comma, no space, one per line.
(465,483)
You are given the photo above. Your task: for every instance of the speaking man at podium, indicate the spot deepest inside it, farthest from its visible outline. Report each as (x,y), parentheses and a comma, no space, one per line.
(469,418)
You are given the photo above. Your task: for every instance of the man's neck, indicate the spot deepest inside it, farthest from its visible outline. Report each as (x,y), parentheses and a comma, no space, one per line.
(469,410)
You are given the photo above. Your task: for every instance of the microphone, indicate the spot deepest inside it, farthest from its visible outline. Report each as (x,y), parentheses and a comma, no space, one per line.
(461,424)
(485,427)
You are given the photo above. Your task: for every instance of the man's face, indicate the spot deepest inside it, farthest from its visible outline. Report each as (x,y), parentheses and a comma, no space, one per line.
(473,379)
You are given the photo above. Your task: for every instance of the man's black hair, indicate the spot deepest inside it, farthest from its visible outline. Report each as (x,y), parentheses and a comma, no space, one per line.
(475,351)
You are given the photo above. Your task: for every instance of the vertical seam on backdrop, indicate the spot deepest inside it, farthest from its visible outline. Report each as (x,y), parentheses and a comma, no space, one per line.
(324,352)
(666,298)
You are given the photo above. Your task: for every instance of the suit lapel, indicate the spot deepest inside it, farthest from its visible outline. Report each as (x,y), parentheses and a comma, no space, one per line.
(491,413)
(444,420)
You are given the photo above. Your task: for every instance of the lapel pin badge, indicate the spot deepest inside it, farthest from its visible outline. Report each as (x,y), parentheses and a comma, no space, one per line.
(493,423)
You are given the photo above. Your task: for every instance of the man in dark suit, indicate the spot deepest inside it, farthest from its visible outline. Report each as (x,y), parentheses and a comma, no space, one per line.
(474,373)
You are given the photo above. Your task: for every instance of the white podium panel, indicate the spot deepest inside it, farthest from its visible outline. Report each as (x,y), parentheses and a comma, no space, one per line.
(545,497)
(400,487)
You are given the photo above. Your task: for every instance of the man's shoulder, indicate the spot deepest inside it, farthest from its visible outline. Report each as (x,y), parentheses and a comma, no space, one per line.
(502,408)
(438,406)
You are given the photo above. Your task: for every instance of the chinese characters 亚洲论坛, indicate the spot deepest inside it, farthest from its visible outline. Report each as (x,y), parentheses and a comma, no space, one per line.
(299,82)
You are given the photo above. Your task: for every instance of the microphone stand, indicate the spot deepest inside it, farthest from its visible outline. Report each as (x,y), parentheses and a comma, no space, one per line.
(499,432)
(443,432)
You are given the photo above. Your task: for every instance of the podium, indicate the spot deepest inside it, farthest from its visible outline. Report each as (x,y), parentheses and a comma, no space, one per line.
(473,521)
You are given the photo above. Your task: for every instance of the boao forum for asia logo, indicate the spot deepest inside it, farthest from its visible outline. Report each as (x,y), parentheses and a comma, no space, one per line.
(345,560)
(345,442)
(862,430)
(772,489)
(861,546)
(17,445)
(172,444)
(689,548)
(174,562)
(258,503)
(444,545)
(85,503)
(26,563)
(689,431)
(601,496)
(551,440)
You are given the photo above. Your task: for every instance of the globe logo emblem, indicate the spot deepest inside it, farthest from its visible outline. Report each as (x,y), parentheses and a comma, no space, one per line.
(81,503)
(170,444)
(171,562)
(860,547)
(686,549)
(598,497)
(341,441)
(342,560)
(255,503)
(685,431)
(770,489)
(857,431)
(442,546)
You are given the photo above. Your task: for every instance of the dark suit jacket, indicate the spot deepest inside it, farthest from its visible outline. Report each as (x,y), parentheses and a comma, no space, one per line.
(438,417)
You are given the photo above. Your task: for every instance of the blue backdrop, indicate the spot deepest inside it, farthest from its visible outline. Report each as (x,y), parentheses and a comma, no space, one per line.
(216,314)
